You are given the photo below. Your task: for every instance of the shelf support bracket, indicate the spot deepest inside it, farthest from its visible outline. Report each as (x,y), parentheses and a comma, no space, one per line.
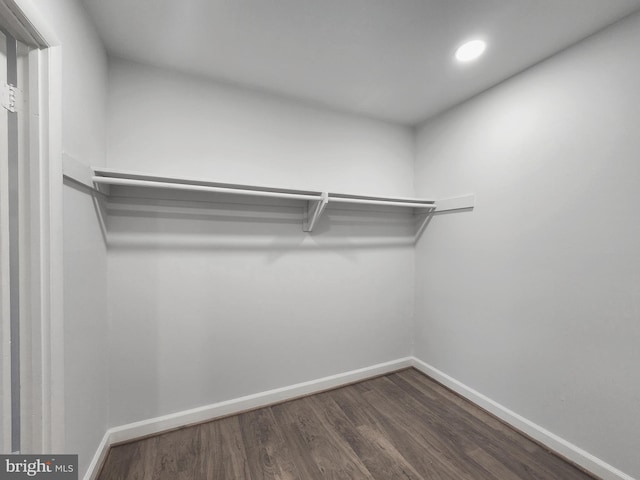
(462,202)
(314,211)
(423,222)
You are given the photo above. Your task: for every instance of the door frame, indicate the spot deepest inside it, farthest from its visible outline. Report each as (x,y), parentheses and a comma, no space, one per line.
(24,22)
(5,254)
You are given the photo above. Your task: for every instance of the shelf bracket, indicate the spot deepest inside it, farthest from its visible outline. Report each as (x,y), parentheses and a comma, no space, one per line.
(314,211)
(462,202)
(81,174)
(424,219)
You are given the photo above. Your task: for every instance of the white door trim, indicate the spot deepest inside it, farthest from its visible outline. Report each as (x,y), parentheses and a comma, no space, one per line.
(5,320)
(45,148)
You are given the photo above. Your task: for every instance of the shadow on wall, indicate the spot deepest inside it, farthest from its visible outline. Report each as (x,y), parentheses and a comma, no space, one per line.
(199,221)
(196,221)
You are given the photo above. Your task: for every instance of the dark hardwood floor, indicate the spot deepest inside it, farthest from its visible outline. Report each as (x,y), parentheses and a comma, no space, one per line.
(400,426)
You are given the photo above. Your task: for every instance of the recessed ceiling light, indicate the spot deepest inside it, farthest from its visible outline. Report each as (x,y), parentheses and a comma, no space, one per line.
(470,50)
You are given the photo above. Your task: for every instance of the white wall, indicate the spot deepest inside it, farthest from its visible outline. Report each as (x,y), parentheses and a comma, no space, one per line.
(83,137)
(532,299)
(175,124)
(205,305)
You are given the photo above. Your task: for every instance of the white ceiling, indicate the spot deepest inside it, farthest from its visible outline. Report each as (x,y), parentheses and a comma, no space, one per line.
(389,59)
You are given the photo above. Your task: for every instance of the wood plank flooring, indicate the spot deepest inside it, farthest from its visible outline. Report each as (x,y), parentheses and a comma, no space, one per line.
(400,426)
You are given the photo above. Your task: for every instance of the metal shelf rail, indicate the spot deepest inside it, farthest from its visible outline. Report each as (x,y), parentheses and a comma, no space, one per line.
(317,201)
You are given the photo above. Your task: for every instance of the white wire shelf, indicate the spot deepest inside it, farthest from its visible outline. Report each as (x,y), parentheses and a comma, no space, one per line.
(316,201)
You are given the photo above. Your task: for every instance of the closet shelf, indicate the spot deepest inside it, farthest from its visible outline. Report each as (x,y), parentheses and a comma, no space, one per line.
(316,201)
(235,190)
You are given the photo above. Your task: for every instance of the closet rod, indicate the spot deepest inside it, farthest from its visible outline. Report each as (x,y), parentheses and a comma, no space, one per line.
(390,203)
(201,188)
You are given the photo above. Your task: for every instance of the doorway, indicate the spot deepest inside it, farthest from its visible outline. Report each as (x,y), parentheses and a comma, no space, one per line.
(31,318)
(16,184)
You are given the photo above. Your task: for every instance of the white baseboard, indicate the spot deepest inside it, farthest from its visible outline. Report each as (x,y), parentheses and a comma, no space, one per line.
(98,458)
(554,442)
(156,425)
(152,426)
